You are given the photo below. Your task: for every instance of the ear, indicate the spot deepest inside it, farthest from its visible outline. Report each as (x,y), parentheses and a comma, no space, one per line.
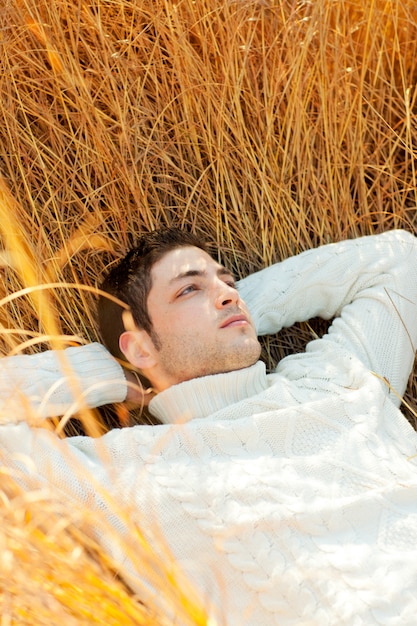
(138,348)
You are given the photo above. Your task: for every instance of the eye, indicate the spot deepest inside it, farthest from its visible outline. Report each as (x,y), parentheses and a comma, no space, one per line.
(186,290)
(230,282)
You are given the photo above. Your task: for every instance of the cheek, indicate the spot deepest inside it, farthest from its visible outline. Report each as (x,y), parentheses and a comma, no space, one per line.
(194,320)
(171,326)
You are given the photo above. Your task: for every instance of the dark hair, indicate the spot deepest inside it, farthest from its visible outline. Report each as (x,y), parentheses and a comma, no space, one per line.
(130,281)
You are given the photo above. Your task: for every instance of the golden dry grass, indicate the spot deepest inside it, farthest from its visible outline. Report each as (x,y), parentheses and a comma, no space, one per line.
(52,570)
(268,126)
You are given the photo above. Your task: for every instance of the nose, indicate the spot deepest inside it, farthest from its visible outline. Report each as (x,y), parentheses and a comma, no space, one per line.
(226,295)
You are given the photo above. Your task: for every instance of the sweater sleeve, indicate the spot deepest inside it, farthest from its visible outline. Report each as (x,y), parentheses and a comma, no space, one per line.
(369,285)
(54,382)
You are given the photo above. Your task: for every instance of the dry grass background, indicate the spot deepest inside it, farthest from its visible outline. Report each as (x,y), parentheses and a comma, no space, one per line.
(267,126)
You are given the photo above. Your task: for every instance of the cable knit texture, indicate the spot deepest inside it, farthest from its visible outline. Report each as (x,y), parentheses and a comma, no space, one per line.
(39,386)
(290,498)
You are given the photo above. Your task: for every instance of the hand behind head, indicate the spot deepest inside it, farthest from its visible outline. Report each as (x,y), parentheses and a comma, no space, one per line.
(137,396)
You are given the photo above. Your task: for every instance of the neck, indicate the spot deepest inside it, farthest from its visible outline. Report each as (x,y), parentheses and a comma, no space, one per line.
(202,397)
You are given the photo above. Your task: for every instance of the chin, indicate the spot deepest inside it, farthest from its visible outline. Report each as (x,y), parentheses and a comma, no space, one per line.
(245,360)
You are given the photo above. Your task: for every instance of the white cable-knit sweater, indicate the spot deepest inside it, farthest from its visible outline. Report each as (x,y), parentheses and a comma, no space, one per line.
(290,497)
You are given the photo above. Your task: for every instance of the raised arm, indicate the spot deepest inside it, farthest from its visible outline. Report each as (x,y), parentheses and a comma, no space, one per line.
(53,382)
(368,284)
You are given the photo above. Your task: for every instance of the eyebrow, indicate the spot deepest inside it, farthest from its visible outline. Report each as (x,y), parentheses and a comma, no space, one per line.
(222,271)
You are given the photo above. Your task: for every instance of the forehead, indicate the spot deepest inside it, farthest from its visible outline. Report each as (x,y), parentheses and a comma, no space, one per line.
(179,262)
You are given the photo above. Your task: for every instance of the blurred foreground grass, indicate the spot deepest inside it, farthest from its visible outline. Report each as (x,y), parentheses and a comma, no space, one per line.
(269,127)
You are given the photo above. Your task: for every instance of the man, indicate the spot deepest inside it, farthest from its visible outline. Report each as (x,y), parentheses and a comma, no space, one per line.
(290,497)
(187,319)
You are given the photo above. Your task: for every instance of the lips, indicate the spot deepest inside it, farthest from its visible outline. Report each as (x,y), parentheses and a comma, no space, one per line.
(234,320)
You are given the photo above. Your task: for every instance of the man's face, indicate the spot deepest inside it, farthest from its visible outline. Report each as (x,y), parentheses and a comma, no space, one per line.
(200,325)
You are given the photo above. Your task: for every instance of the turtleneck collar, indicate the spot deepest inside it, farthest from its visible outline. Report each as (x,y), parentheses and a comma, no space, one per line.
(201,397)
